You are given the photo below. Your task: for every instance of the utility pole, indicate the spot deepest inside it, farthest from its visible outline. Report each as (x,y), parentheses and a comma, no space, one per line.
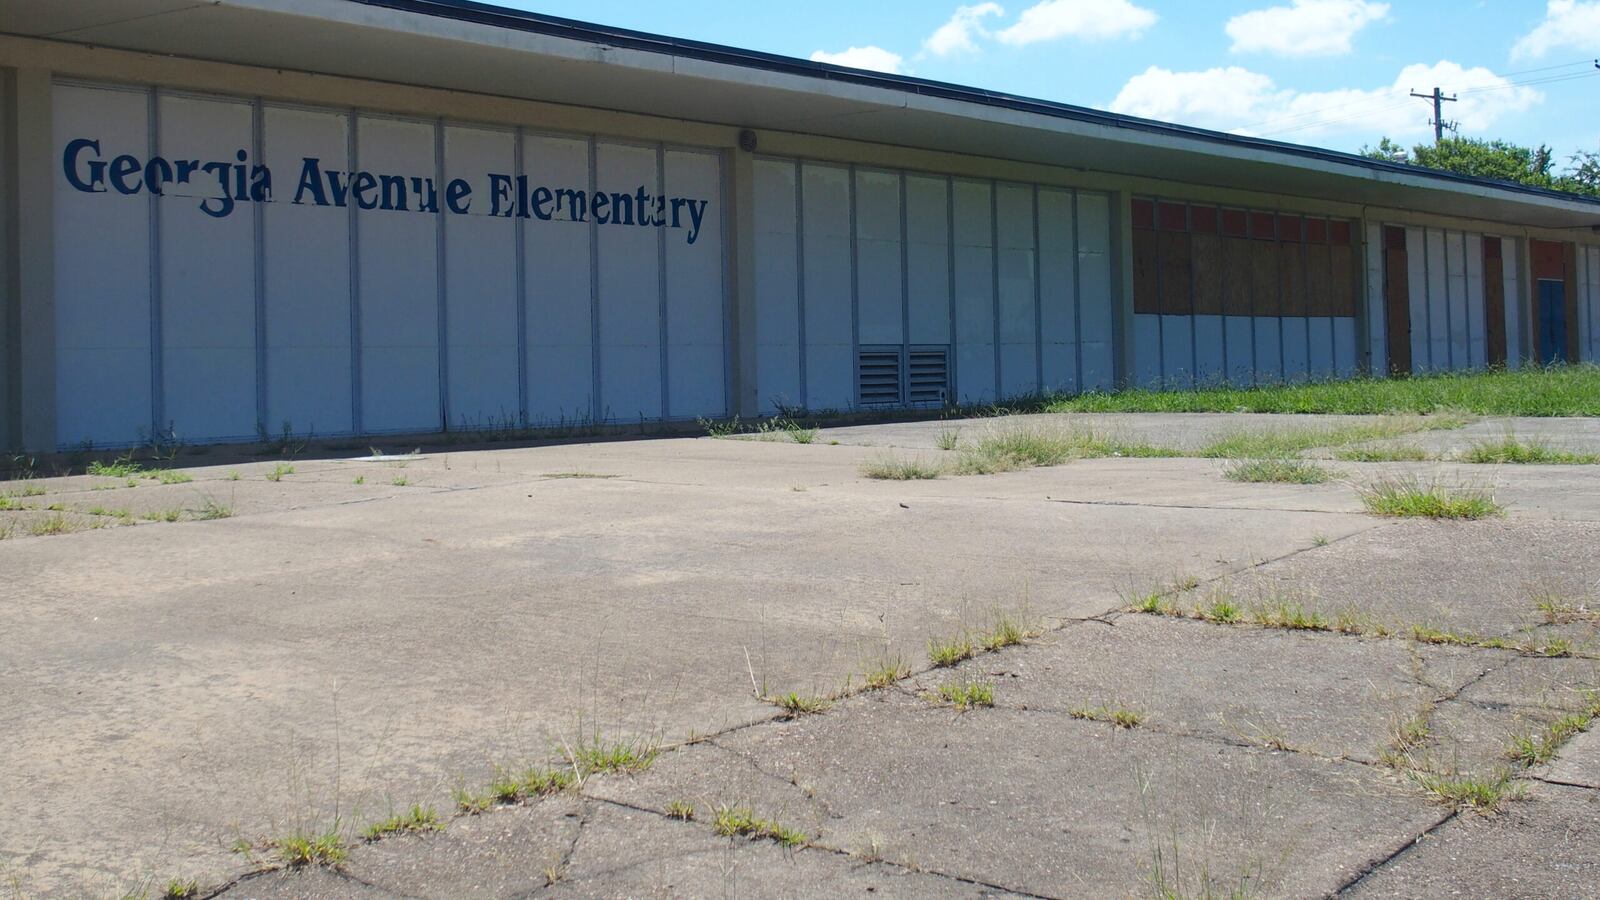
(1438,123)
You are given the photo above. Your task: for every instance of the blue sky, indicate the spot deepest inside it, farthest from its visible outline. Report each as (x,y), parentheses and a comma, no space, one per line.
(1334,73)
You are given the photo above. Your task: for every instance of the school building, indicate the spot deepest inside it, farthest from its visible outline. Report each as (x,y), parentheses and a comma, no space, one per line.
(352,217)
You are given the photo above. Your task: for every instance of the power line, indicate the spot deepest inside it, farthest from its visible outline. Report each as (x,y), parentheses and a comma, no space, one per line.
(1438,123)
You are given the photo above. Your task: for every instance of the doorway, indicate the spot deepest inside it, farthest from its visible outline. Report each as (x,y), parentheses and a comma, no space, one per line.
(1552,321)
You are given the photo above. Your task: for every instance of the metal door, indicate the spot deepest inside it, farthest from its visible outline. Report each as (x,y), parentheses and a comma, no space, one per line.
(1552,321)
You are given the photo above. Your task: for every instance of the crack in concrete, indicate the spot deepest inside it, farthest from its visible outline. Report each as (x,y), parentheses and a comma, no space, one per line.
(846,854)
(1377,865)
(792,781)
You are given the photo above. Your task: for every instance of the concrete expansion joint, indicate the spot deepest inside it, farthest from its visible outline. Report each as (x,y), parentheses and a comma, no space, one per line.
(792,781)
(1588,789)
(1378,865)
(846,854)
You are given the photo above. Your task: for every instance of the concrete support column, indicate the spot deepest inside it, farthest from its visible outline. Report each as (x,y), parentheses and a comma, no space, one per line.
(9,438)
(1122,354)
(742,285)
(30,331)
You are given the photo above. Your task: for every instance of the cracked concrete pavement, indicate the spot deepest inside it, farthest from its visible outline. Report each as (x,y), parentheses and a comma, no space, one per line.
(363,635)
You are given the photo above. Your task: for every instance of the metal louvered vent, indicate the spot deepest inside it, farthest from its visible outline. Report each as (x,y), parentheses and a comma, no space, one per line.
(878,376)
(929,382)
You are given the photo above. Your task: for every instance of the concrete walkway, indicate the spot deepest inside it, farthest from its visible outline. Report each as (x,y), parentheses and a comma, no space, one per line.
(360,635)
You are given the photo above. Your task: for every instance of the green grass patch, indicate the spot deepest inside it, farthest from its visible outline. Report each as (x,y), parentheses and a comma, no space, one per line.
(964,695)
(948,652)
(597,755)
(884,673)
(1555,391)
(414,820)
(122,467)
(1513,450)
(741,821)
(796,704)
(1411,497)
(1111,715)
(304,849)
(1482,794)
(889,467)
(280,470)
(1402,453)
(1275,471)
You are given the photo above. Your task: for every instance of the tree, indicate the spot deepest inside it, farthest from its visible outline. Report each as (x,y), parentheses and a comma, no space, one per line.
(1497,159)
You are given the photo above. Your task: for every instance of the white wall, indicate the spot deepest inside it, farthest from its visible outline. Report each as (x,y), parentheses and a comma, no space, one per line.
(1015,279)
(383,316)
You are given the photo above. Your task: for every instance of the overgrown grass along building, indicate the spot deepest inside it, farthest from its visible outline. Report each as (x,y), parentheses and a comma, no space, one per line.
(388,216)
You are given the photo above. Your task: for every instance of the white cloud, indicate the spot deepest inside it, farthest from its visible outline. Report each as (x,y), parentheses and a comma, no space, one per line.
(956,34)
(1239,100)
(1307,28)
(1088,19)
(1567,23)
(875,59)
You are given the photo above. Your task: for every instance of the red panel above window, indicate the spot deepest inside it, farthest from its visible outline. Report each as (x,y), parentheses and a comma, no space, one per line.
(1289,228)
(1234,222)
(1203,219)
(1491,248)
(1172,217)
(1263,227)
(1339,233)
(1144,214)
(1316,231)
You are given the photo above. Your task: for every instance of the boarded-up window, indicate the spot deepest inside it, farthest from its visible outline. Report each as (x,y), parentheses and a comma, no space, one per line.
(1236,251)
(1291,266)
(1177,276)
(1494,300)
(1344,301)
(1264,286)
(1397,299)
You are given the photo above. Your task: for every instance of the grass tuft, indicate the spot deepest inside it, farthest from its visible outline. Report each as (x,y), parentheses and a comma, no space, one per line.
(302,849)
(1113,715)
(417,819)
(1482,794)
(1406,453)
(884,673)
(802,704)
(889,467)
(1511,449)
(1412,498)
(280,470)
(682,810)
(942,652)
(964,695)
(737,821)
(1276,471)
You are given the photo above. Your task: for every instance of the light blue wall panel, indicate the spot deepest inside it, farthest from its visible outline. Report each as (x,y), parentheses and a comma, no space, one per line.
(1296,349)
(1438,299)
(1018,291)
(1269,350)
(1240,331)
(975,300)
(397,254)
(558,285)
(103,356)
(696,355)
(928,258)
(1509,255)
(483,376)
(830,349)
(1346,347)
(1417,292)
(306,255)
(208,309)
(879,285)
(1097,301)
(1477,338)
(1377,314)
(1209,337)
(777,280)
(1147,362)
(1177,351)
(1459,353)
(1319,338)
(627,259)
(1058,302)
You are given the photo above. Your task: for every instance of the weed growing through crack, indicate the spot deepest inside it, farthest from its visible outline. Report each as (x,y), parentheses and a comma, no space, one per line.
(1275,471)
(56,524)
(170,476)
(178,889)
(1113,715)
(1482,794)
(597,755)
(741,821)
(211,509)
(304,849)
(889,467)
(1007,631)
(1410,497)
(949,439)
(400,481)
(948,652)
(795,704)
(884,673)
(416,819)
(681,810)
(1406,453)
(964,695)
(122,467)
(280,470)
(1511,449)
(1560,609)
(1290,614)
(1222,609)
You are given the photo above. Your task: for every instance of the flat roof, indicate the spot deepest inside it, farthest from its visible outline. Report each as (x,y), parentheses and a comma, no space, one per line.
(479,48)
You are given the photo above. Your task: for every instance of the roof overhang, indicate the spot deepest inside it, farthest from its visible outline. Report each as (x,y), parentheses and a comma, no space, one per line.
(488,50)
